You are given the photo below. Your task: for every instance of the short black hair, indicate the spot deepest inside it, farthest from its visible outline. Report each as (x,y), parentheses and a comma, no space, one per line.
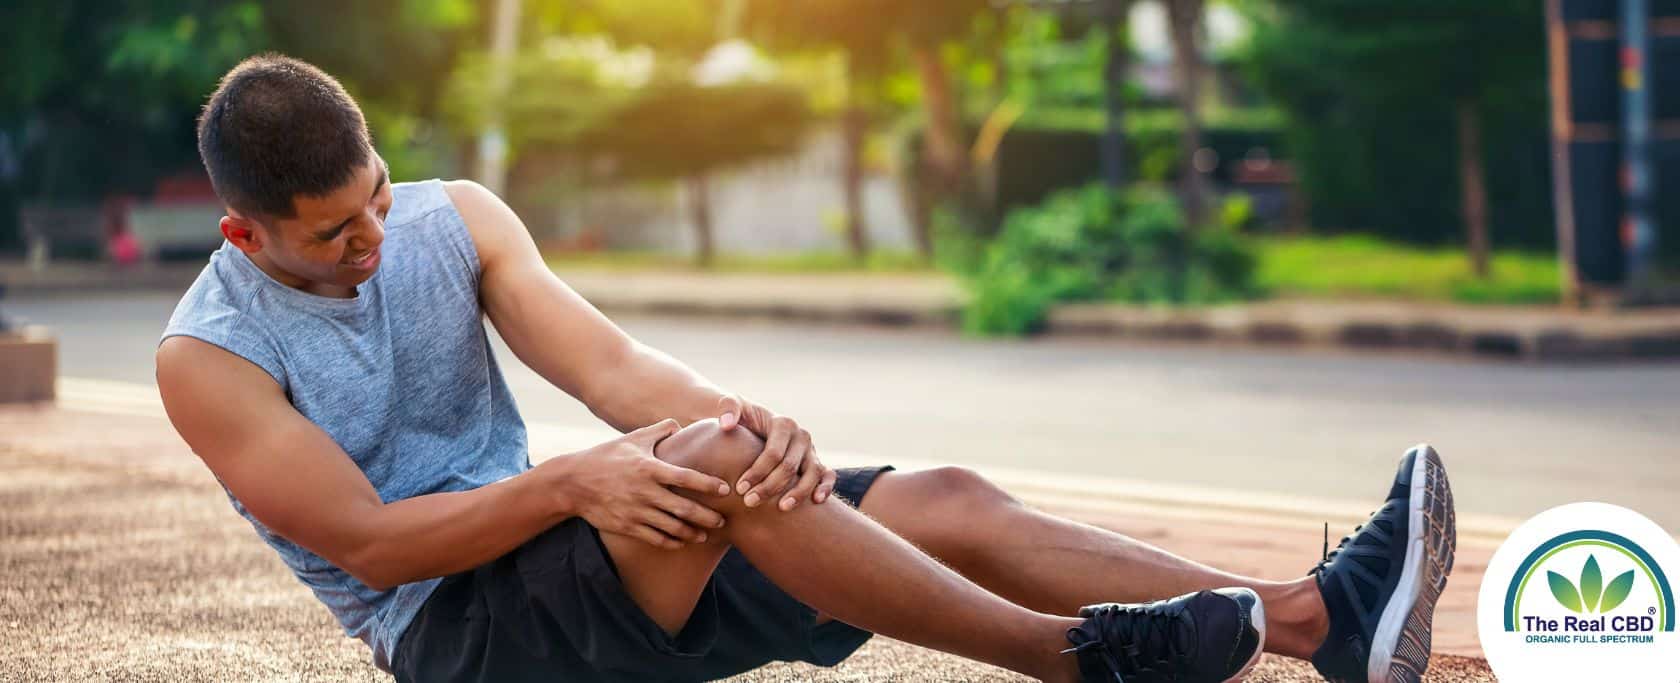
(279,127)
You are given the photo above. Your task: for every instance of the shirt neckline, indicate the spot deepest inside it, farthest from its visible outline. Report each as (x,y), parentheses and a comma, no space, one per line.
(349,305)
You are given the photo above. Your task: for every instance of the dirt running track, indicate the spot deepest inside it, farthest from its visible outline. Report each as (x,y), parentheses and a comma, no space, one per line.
(120,559)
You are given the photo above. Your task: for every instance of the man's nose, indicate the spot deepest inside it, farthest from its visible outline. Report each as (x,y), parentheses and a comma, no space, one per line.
(369,234)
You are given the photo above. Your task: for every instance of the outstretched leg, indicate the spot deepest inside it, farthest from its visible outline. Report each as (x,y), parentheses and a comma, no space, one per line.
(813,552)
(1055,565)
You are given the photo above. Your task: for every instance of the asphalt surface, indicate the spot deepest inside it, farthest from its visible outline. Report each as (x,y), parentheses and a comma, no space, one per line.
(120,559)
(1519,438)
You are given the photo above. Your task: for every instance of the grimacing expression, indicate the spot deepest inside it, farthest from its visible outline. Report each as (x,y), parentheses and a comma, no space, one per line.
(334,239)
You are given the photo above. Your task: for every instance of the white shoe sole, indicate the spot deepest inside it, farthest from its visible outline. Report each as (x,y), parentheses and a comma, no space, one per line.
(1256,617)
(1400,646)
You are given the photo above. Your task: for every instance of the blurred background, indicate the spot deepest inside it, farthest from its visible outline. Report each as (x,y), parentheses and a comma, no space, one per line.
(1493,180)
(1177,151)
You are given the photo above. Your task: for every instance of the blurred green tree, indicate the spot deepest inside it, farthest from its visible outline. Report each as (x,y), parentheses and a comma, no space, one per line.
(635,114)
(1051,70)
(867,32)
(866,48)
(1374,87)
(101,97)
(395,56)
(680,129)
(945,176)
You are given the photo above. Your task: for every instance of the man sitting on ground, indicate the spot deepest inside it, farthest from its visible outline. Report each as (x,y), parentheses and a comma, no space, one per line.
(331,367)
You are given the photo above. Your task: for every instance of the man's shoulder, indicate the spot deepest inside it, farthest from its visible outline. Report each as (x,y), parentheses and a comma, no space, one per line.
(468,195)
(462,200)
(489,221)
(217,312)
(213,301)
(414,200)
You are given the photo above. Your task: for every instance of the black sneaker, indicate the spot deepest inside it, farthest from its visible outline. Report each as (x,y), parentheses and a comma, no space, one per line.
(1381,583)
(1211,636)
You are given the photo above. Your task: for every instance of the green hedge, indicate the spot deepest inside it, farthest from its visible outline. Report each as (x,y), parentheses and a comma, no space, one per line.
(1093,243)
(1055,149)
(1051,150)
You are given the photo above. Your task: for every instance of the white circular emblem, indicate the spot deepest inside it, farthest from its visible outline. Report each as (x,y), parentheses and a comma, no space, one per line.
(1582,592)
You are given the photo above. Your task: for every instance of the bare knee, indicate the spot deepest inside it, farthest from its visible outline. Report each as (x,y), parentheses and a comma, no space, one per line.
(961,492)
(705,447)
(953,513)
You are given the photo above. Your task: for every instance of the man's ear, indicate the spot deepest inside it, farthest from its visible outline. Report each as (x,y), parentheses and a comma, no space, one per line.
(242,233)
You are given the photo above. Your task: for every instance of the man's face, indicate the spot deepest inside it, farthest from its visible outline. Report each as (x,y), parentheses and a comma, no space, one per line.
(332,244)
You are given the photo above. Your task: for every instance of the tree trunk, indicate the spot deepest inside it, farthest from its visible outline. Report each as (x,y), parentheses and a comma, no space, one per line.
(1185,18)
(854,125)
(700,215)
(1115,65)
(1470,179)
(942,144)
(944,160)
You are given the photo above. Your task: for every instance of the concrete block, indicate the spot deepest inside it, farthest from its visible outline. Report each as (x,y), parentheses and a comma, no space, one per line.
(28,365)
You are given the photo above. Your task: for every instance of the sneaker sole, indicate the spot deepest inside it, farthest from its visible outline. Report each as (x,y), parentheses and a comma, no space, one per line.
(1400,646)
(1256,619)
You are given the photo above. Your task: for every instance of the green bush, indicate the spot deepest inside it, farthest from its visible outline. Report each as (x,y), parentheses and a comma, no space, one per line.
(1094,243)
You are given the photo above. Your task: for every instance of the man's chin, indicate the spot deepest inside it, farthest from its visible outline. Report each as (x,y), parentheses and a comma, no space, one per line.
(350,277)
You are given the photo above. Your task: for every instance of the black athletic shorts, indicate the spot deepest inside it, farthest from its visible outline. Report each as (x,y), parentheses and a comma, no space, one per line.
(553,610)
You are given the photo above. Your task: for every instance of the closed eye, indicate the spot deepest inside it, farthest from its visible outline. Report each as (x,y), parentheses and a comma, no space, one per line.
(332,233)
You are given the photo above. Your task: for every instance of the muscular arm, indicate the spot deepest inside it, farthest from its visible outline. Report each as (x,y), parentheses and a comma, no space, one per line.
(297,481)
(563,337)
(625,383)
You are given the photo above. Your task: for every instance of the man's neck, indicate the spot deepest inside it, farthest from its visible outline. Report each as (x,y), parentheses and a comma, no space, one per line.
(281,276)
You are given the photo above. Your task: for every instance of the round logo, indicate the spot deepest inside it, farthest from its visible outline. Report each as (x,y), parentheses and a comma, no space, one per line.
(1582,592)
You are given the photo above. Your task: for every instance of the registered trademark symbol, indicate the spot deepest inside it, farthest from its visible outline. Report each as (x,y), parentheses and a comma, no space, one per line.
(1650,610)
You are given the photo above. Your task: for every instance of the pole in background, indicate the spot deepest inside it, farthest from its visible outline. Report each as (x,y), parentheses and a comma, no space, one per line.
(1638,236)
(1112,15)
(492,143)
(1563,195)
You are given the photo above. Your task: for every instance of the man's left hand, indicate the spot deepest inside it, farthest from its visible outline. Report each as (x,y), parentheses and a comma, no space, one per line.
(788,468)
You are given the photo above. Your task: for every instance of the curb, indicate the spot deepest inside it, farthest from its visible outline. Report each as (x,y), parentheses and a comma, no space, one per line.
(97,278)
(877,315)
(877,300)
(1534,335)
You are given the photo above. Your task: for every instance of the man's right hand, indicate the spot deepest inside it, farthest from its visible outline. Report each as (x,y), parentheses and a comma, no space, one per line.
(619,487)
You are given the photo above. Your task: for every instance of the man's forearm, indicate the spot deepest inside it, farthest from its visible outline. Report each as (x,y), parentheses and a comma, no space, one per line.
(648,386)
(444,533)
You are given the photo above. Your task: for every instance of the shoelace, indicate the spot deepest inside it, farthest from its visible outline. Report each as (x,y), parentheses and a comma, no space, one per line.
(1155,620)
(1101,648)
(1331,554)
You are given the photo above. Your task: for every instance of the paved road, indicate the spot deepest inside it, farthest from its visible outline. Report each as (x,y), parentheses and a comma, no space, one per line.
(1518,438)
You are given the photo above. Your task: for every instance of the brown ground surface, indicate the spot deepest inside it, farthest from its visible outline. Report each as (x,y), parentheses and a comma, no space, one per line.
(120,559)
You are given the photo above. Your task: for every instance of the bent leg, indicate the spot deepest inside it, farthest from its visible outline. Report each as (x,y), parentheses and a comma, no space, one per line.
(666,584)
(1055,565)
(813,553)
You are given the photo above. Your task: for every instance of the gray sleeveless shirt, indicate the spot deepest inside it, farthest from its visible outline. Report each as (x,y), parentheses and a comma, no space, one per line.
(401,376)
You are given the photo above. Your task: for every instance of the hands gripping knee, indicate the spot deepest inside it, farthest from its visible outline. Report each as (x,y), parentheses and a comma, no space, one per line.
(706,448)
(621,487)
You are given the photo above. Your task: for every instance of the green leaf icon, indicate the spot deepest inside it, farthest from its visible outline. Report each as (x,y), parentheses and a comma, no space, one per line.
(1617,591)
(1592,583)
(1564,591)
